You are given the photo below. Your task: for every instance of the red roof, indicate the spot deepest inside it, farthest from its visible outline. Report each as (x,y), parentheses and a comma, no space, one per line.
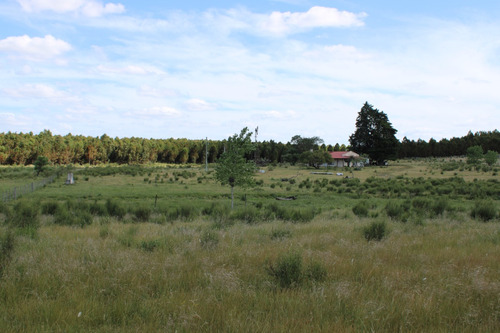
(338,155)
(343,155)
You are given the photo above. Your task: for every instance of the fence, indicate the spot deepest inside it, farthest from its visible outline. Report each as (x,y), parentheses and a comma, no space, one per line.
(18,191)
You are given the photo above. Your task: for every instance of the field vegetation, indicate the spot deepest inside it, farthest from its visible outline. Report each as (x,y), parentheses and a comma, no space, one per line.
(413,246)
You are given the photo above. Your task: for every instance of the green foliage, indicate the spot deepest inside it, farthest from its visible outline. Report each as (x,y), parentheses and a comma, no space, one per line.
(396,211)
(249,214)
(115,208)
(142,213)
(209,239)
(6,247)
(491,157)
(185,212)
(232,168)
(50,207)
(299,149)
(280,234)
(41,164)
(316,158)
(316,271)
(375,231)
(25,215)
(474,154)
(439,206)
(374,135)
(484,210)
(287,271)
(149,245)
(361,209)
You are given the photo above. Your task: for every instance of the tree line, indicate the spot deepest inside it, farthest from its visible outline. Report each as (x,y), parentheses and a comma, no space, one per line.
(25,148)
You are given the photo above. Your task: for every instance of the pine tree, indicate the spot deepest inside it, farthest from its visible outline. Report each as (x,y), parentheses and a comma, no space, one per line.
(374,135)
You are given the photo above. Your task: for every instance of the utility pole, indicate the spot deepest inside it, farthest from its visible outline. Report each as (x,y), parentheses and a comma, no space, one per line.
(206,154)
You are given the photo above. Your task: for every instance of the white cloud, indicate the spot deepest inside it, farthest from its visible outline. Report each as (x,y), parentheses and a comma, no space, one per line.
(155,112)
(196,104)
(88,8)
(39,91)
(282,23)
(157,92)
(129,69)
(34,48)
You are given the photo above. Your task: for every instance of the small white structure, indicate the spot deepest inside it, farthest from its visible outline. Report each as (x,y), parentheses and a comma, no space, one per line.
(70,180)
(345,159)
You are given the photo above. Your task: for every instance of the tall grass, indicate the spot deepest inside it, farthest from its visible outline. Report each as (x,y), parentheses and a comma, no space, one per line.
(296,266)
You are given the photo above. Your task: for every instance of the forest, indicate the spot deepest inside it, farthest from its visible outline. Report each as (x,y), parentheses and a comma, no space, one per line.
(24,148)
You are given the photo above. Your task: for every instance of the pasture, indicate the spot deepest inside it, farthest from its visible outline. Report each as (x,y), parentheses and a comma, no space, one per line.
(413,246)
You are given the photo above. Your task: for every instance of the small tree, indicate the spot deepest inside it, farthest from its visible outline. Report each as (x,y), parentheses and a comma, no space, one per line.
(316,158)
(232,167)
(491,157)
(41,164)
(474,154)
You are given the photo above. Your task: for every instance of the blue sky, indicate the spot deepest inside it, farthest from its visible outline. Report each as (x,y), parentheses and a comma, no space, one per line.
(196,69)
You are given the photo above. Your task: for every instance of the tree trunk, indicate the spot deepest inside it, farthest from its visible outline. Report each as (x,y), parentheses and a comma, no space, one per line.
(232,196)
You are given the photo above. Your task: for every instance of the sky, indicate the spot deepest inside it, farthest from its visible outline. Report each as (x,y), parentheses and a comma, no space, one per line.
(197,69)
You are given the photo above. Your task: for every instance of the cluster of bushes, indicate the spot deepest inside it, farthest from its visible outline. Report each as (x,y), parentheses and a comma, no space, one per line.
(289,272)
(223,217)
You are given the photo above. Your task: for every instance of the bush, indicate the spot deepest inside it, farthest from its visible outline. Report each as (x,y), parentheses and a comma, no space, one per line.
(219,215)
(248,215)
(375,231)
(316,271)
(396,211)
(50,207)
(484,210)
(115,209)
(142,213)
(439,206)
(287,271)
(184,212)
(361,209)
(98,209)
(25,215)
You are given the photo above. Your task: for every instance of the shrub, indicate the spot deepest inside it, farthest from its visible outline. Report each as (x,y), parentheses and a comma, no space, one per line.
(50,207)
(439,206)
(361,209)
(98,209)
(184,212)
(115,209)
(287,271)
(375,231)
(316,271)
(248,215)
(395,211)
(142,213)
(301,214)
(484,210)
(25,215)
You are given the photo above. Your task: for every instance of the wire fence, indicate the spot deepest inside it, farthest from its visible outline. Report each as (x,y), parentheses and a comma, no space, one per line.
(21,190)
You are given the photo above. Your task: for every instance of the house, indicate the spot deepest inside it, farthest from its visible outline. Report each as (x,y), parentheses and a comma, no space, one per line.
(345,159)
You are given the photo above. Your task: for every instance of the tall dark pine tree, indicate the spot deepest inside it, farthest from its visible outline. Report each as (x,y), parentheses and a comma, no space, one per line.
(374,135)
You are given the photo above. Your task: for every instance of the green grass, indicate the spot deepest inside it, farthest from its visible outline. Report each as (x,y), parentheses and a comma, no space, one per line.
(189,264)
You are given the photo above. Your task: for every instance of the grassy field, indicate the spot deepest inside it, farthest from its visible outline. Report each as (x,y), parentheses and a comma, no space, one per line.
(409,247)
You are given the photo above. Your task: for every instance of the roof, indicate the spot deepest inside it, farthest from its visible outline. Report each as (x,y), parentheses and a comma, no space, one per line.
(343,155)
